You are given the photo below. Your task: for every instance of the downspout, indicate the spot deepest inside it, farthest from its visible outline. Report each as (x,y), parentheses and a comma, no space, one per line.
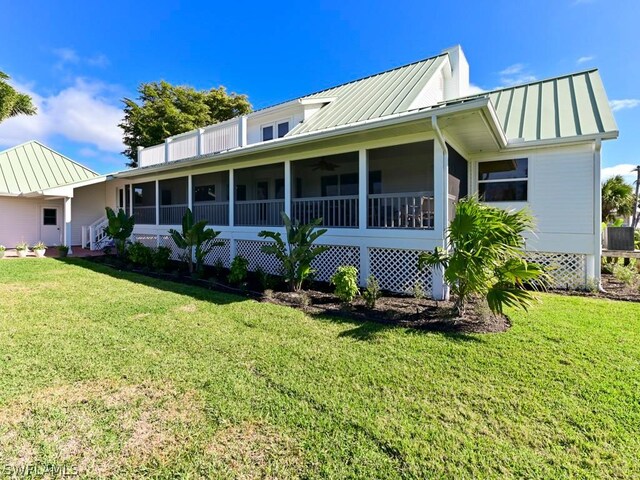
(444,205)
(597,214)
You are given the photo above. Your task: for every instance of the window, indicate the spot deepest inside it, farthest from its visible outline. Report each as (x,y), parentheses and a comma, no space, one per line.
(269,131)
(338,185)
(279,184)
(50,216)
(241,193)
(283,129)
(204,193)
(375,182)
(503,180)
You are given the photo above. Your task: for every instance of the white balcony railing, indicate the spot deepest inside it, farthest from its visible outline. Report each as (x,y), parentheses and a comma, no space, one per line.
(401,210)
(335,211)
(213,139)
(172,214)
(259,212)
(145,215)
(215,213)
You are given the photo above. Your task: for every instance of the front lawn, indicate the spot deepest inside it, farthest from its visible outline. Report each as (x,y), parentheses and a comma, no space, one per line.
(120,375)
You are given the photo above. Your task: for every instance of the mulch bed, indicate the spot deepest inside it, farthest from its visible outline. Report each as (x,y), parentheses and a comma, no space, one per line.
(614,289)
(392,310)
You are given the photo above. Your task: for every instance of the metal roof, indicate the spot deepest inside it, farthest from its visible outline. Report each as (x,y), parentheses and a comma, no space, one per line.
(556,108)
(379,95)
(32,167)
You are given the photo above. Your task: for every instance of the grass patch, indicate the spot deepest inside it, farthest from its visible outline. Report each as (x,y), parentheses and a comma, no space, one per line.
(118,374)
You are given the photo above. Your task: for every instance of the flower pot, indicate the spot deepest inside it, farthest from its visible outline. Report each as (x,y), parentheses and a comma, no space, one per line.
(22,253)
(40,252)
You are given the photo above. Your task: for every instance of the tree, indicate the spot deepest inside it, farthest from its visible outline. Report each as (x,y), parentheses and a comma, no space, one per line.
(12,102)
(487,258)
(617,199)
(119,228)
(195,239)
(164,110)
(297,253)
(636,210)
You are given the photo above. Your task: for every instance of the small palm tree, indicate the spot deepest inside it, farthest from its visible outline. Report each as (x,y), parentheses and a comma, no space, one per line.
(195,239)
(12,102)
(487,258)
(297,253)
(119,228)
(617,199)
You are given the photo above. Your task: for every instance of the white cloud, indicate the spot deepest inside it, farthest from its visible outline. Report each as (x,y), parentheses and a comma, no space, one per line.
(98,60)
(68,56)
(80,112)
(623,104)
(624,169)
(475,89)
(515,74)
(585,59)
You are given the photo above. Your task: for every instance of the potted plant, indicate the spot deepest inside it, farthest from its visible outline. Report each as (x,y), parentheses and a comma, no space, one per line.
(40,249)
(63,250)
(22,248)
(2,250)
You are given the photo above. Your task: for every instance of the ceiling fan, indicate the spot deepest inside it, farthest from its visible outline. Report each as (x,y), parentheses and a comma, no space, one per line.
(325,165)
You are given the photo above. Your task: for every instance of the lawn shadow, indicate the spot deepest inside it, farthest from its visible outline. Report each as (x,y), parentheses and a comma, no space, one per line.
(370,330)
(161,282)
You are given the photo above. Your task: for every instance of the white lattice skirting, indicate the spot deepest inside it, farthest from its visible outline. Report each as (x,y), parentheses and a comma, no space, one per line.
(567,270)
(397,270)
(252,251)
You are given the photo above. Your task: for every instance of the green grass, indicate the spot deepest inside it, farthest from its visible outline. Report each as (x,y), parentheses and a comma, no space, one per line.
(116,374)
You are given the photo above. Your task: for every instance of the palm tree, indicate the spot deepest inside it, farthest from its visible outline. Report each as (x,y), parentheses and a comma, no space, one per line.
(12,102)
(636,210)
(617,199)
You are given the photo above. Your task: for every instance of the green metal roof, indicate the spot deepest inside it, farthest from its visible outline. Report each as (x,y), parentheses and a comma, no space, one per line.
(379,95)
(32,167)
(556,108)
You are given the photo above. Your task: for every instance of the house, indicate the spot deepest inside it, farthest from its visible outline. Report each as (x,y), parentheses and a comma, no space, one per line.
(383,160)
(35,195)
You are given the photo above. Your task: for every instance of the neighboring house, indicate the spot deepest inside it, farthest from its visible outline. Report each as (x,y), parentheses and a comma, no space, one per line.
(35,194)
(383,160)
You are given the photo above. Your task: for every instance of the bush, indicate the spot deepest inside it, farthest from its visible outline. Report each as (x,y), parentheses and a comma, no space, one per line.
(238,270)
(626,274)
(372,292)
(298,252)
(346,282)
(119,229)
(160,258)
(265,280)
(418,291)
(218,269)
(196,240)
(487,257)
(140,254)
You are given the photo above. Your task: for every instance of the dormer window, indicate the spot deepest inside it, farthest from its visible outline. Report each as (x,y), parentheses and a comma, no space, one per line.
(281,128)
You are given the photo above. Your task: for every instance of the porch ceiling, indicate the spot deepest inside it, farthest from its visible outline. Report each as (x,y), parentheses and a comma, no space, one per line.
(471,130)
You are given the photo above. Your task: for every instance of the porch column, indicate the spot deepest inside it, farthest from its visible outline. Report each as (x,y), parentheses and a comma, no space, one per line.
(363,176)
(232,199)
(190,192)
(441,204)
(157,203)
(130,187)
(287,187)
(66,233)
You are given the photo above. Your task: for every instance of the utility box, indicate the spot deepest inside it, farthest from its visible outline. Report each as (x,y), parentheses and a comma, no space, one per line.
(619,238)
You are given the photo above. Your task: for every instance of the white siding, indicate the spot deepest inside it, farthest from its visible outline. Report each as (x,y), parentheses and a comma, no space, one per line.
(294,115)
(20,219)
(87,205)
(560,195)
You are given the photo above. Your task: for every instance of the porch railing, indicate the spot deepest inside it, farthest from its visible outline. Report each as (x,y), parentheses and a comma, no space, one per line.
(172,214)
(335,211)
(215,213)
(401,210)
(259,212)
(145,215)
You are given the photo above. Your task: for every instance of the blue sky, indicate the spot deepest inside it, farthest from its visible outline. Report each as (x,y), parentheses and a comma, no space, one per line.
(78,59)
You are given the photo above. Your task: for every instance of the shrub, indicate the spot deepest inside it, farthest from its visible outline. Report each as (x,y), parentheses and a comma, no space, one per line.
(63,250)
(218,268)
(266,280)
(160,258)
(140,254)
(487,257)
(2,248)
(372,292)
(418,291)
(119,229)
(625,274)
(238,270)
(195,239)
(298,252)
(346,282)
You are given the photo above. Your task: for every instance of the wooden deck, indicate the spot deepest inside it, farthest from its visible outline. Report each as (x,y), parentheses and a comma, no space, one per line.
(621,253)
